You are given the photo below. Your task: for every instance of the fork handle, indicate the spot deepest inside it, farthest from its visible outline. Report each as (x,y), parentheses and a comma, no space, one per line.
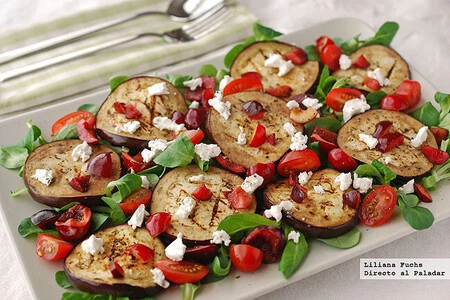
(68,56)
(58,40)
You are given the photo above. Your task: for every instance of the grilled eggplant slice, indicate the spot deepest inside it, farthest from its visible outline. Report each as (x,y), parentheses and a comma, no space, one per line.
(393,66)
(91,273)
(225,132)
(206,215)
(406,160)
(301,78)
(318,215)
(57,156)
(134,91)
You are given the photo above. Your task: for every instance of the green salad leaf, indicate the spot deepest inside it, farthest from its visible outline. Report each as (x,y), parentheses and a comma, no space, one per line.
(125,185)
(188,291)
(66,133)
(27,228)
(345,241)
(418,217)
(177,154)
(293,253)
(92,108)
(13,157)
(236,225)
(384,35)
(62,280)
(116,81)
(207,70)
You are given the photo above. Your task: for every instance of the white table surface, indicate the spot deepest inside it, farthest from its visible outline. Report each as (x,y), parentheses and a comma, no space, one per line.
(423,40)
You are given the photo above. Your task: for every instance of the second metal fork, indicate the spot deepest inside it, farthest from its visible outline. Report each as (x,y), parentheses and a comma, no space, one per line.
(189,32)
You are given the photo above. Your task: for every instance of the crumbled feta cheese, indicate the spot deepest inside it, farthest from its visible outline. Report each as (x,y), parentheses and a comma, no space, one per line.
(344,62)
(277,61)
(145,183)
(175,250)
(158,89)
(378,75)
(221,236)
(159,278)
(207,151)
(93,245)
(44,176)
(185,209)
(370,141)
(362,184)
(289,128)
(164,123)
(275,210)
(292,104)
(344,180)
(147,155)
(319,189)
(294,236)
(387,160)
(156,147)
(196,178)
(420,137)
(194,104)
(312,102)
(355,106)
(223,108)
(241,139)
(224,82)
(303,177)
(193,83)
(82,151)
(251,183)
(129,127)
(407,188)
(137,218)
(298,141)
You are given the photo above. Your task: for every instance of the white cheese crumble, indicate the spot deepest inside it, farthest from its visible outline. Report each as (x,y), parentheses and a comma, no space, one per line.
(93,245)
(175,250)
(344,180)
(145,183)
(298,141)
(164,123)
(137,218)
(275,210)
(407,188)
(224,82)
(312,102)
(221,236)
(193,83)
(292,104)
(289,128)
(344,62)
(303,177)
(129,127)
(387,160)
(185,209)
(277,61)
(196,178)
(362,184)
(82,151)
(207,151)
(156,147)
(44,176)
(194,104)
(319,189)
(378,75)
(355,106)
(420,137)
(294,236)
(223,108)
(370,141)
(241,139)
(158,89)
(251,183)
(159,278)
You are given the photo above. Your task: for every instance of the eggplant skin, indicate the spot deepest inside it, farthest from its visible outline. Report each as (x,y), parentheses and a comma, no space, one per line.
(319,215)
(57,157)
(90,273)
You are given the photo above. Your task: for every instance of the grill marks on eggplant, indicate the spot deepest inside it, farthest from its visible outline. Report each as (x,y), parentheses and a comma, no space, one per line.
(406,160)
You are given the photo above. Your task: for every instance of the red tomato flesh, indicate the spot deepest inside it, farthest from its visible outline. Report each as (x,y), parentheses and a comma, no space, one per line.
(378,205)
(297,56)
(259,136)
(140,252)
(298,161)
(246,258)
(372,83)
(361,62)
(80,183)
(252,75)
(240,199)
(74,223)
(412,90)
(337,97)
(202,193)
(341,161)
(73,118)
(282,91)
(243,84)
(158,223)
(135,163)
(182,271)
(322,42)
(135,199)
(266,171)
(50,247)
(395,102)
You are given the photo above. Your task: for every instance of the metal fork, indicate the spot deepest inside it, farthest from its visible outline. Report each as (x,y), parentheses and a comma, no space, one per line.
(189,32)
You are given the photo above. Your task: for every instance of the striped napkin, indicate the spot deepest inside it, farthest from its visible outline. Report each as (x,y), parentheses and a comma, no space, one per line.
(138,57)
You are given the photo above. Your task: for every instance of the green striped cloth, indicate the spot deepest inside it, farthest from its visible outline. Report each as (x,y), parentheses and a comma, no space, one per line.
(90,72)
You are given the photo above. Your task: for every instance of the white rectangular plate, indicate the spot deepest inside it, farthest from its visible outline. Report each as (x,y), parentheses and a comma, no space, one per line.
(238,285)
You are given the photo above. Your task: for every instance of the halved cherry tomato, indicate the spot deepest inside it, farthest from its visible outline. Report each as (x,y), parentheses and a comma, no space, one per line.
(240,199)
(361,62)
(243,84)
(131,112)
(322,42)
(297,56)
(372,83)
(394,102)
(141,252)
(389,141)
(86,132)
(252,75)
(337,97)
(282,91)
(298,161)
(135,163)
(378,205)
(73,118)
(341,161)
(246,257)
(158,222)
(195,135)
(101,165)
(74,223)
(422,193)
(80,183)
(435,156)
(439,133)
(135,199)
(266,171)
(50,247)
(330,56)
(229,165)
(259,136)
(412,90)
(202,193)
(182,271)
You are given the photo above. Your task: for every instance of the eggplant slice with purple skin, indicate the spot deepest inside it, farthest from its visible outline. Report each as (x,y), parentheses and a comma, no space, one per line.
(135,92)
(322,215)
(57,156)
(91,273)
